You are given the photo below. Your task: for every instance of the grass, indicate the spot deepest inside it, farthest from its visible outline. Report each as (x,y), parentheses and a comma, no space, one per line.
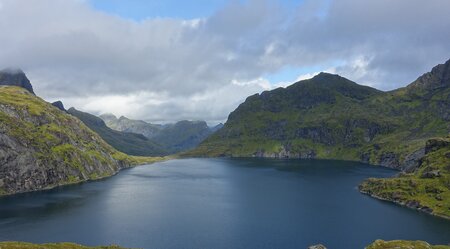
(428,186)
(404,244)
(24,245)
(60,142)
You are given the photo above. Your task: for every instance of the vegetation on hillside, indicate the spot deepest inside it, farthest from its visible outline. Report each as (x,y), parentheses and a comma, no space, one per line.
(180,136)
(331,117)
(404,244)
(129,143)
(427,188)
(42,146)
(24,245)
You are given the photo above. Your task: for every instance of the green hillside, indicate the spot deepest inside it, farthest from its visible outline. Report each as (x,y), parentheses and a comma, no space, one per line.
(426,189)
(43,147)
(180,136)
(24,245)
(331,117)
(127,142)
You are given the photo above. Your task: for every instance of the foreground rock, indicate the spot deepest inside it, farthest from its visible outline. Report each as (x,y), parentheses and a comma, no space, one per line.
(403,244)
(319,246)
(24,245)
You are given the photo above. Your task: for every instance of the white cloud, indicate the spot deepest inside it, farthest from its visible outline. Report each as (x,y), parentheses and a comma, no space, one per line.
(166,69)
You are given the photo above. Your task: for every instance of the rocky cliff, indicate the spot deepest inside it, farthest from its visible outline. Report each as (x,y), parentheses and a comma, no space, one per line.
(331,117)
(15,77)
(42,147)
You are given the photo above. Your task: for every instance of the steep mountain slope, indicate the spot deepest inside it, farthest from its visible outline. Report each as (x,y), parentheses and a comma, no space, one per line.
(129,143)
(329,116)
(42,146)
(181,136)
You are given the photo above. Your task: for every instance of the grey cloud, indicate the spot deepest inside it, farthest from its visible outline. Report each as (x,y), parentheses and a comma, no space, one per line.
(168,69)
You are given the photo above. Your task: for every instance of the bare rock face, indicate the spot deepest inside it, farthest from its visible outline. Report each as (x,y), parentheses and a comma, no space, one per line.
(15,77)
(438,77)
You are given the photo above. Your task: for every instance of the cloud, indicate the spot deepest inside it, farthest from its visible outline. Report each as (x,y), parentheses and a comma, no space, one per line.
(163,69)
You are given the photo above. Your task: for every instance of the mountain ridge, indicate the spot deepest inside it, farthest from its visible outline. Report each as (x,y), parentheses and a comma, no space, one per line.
(331,117)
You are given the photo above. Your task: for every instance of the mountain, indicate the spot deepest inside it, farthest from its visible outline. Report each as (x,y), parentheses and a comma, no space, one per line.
(331,117)
(127,142)
(42,147)
(15,77)
(181,136)
(129,125)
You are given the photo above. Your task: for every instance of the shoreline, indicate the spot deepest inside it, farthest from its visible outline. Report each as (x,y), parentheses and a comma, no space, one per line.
(156,160)
(402,204)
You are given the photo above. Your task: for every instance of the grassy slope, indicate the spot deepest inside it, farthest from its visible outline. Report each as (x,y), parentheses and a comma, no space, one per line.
(403,244)
(129,143)
(24,245)
(58,141)
(323,117)
(428,188)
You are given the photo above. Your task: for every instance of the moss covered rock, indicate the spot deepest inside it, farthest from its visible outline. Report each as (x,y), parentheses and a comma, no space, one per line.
(24,245)
(403,244)
(42,147)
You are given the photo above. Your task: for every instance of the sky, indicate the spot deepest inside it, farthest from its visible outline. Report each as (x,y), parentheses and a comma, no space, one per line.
(164,61)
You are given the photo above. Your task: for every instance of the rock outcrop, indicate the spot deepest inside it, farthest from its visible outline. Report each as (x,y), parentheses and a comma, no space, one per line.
(58,104)
(15,77)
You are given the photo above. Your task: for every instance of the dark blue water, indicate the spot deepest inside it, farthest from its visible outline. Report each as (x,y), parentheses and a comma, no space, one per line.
(220,203)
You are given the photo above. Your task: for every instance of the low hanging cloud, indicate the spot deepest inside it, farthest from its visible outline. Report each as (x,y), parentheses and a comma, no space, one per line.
(163,69)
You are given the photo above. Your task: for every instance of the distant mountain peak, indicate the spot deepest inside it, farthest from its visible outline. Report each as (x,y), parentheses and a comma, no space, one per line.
(438,77)
(326,75)
(15,77)
(58,104)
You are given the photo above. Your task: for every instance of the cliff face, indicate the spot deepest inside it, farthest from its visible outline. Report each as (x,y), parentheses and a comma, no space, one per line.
(42,146)
(15,77)
(331,117)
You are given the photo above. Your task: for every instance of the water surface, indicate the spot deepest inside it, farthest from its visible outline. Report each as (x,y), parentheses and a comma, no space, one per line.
(220,203)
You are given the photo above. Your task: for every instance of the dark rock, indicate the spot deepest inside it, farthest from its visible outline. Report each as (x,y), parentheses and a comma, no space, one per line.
(436,144)
(58,104)
(438,77)
(431,174)
(15,77)
(413,204)
(365,157)
(390,160)
(412,161)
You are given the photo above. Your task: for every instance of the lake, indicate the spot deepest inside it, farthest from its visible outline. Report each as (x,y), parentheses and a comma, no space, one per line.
(220,203)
